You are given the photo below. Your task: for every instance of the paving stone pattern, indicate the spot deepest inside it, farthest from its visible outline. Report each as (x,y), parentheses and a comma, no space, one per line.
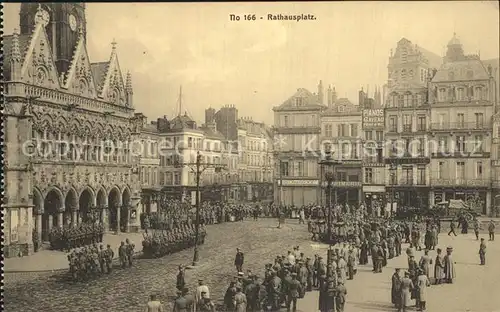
(128,289)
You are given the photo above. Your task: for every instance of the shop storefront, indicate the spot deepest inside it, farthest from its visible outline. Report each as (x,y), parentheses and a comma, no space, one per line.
(374,197)
(297,192)
(476,199)
(409,196)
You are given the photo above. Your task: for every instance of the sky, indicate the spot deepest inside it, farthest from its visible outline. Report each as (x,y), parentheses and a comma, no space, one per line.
(256,65)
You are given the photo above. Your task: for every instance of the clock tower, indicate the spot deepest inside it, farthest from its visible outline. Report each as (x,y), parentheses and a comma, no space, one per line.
(63,23)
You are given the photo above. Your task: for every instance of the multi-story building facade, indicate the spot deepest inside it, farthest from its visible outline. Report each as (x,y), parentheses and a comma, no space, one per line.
(495,163)
(296,133)
(254,144)
(407,117)
(67,126)
(462,97)
(373,128)
(256,163)
(181,141)
(149,163)
(341,125)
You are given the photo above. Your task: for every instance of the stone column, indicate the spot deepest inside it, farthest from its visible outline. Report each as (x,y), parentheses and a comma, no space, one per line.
(38,226)
(51,223)
(118,216)
(60,218)
(74,217)
(360,196)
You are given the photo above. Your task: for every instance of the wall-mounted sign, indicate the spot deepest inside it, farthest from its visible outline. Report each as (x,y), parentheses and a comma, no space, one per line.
(373,119)
(299,182)
(347,184)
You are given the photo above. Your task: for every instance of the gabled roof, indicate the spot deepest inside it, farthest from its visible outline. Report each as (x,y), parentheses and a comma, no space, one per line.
(99,71)
(212,134)
(309,101)
(342,107)
(435,61)
(24,41)
(464,70)
(182,122)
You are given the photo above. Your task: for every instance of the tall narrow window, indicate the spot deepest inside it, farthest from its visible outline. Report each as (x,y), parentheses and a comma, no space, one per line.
(442,95)
(368,135)
(478,144)
(479,120)
(460,170)
(354,130)
(460,143)
(421,175)
(440,172)
(460,121)
(407,122)
(393,123)
(422,124)
(479,170)
(368,175)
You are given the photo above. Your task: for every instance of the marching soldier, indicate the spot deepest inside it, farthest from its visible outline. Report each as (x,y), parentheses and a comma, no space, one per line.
(130,251)
(122,253)
(482,252)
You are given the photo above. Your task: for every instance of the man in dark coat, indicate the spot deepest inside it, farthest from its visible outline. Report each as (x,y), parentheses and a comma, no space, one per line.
(396,289)
(238,260)
(294,288)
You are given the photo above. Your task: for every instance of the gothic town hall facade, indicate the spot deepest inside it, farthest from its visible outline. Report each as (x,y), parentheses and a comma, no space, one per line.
(67,124)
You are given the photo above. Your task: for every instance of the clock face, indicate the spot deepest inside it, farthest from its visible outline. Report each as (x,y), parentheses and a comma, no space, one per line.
(43,17)
(72,22)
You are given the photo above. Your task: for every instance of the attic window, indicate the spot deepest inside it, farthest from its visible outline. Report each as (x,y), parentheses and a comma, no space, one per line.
(299,101)
(451,75)
(404,55)
(341,109)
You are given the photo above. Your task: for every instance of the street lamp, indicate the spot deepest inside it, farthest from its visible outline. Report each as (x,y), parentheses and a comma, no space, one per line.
(392,168)
(198,168)
(329,162)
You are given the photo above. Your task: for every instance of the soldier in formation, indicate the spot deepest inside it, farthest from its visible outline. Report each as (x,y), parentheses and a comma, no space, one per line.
(161,243)
(94,260)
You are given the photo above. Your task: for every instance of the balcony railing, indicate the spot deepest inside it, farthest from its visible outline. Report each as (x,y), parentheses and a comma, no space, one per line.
(461,182)
(406,128)
(461,154)
(447,126)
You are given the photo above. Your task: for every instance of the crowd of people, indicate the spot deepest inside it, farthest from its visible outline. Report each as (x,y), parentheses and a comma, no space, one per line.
(94,260)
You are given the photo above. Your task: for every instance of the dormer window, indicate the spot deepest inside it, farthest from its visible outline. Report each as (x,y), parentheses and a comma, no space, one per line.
(442,95)
(341,108)
(404,55)
(451,75)
(299,101)
(403,74)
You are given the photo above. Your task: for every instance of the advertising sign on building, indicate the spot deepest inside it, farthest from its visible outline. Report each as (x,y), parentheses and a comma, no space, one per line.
(373,119)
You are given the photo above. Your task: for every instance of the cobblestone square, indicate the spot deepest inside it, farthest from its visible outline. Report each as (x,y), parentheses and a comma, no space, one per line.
(127,290)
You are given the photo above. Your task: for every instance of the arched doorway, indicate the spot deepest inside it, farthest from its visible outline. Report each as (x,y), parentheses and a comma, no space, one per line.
(113,206)
(52,204)
(101,204)
(124,213)
(70,205)
(85,202)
